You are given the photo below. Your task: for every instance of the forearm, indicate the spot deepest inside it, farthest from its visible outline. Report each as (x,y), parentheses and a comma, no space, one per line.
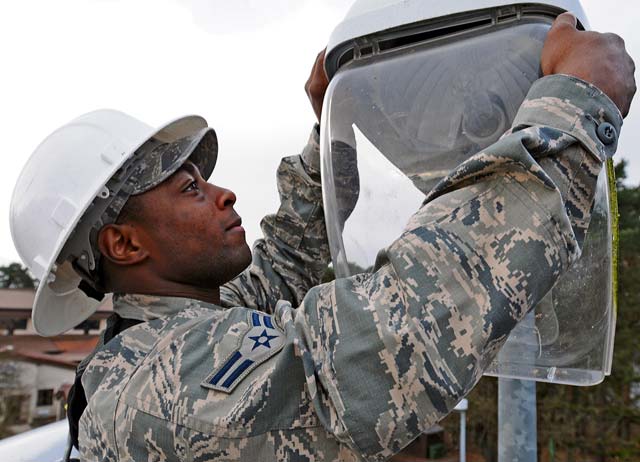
(575,170)
(395,350)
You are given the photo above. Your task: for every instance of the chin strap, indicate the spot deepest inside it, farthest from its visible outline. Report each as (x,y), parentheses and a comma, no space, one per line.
(90,291)
(67,453)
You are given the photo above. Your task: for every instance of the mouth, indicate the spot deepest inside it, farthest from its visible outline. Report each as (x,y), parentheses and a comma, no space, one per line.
(235,225)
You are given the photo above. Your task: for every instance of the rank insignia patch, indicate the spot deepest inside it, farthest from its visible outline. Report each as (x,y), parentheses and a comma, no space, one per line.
(259,343)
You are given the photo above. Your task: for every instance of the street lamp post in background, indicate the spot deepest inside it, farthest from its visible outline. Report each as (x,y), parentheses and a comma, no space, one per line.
(462,409)
(517,435)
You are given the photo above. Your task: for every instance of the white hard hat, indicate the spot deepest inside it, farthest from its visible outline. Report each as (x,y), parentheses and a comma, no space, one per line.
(67,173)
(367,17)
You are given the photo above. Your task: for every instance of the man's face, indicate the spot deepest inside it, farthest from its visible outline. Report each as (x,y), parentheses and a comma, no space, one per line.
(191,231)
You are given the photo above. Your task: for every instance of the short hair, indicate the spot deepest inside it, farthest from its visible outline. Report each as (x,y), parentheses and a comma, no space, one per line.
(131,211)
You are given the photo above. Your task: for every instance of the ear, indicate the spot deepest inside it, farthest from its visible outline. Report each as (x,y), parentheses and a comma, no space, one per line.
(122,244)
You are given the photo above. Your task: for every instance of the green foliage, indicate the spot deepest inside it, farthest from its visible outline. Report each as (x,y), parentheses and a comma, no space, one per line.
(621,173)
(629,208)
(9,381)
(482,421)
(15,276)
(329,275)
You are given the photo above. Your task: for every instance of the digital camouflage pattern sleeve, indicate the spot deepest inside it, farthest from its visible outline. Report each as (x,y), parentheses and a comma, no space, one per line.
(294,253)
(491,240)
(363,365)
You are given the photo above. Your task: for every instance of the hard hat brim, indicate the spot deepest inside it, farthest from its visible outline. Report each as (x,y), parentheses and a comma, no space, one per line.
(59,304)
(199,148)
(56,310)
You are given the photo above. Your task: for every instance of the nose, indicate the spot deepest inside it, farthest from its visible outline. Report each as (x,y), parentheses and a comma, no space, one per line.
(224,197)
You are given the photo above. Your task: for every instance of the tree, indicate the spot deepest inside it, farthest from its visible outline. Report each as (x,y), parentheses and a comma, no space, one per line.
(15,276)
(9,383)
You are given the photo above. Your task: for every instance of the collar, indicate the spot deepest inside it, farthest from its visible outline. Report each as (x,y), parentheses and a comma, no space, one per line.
(149,307)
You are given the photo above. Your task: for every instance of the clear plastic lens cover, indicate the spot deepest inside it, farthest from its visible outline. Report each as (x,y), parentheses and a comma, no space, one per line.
(414,115)
(429,107)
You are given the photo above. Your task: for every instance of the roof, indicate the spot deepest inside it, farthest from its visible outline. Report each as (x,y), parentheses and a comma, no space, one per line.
(63,350)
(22,299)
(63,391)
(16,298)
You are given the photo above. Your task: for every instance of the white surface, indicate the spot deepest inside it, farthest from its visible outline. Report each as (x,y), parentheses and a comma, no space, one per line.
(44,444)
(462,406)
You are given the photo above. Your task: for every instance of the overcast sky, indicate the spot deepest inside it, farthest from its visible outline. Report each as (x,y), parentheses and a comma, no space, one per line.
(241,64)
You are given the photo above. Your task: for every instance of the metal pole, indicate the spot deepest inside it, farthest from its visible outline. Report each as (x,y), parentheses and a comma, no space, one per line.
(463,437)
(517,434)
(462,407)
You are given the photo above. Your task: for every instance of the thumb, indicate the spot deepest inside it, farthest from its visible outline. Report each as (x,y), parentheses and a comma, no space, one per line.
(565,19)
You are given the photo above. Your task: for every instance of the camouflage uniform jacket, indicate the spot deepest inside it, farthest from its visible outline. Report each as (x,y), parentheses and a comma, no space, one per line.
(357,368)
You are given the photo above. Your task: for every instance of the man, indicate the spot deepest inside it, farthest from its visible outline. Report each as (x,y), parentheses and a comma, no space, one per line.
(212,365)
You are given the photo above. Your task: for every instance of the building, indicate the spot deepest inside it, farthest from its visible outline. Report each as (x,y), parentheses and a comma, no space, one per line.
(36,373)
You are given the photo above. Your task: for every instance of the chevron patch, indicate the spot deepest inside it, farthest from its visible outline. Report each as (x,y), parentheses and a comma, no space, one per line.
(259,343)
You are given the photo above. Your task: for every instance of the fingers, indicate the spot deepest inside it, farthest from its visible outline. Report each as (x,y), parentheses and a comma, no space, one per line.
(564,24)
(317,83)
(565,19)
(560,37)
(314,69)
(317,75)
(600,59)
(632,88)
(318,69)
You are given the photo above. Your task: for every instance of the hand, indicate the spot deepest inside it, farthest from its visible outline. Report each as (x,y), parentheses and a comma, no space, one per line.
(599,59)
(317,84)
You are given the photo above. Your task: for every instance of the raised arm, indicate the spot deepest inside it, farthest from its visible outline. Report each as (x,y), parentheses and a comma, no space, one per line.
(294,253)
(390,353)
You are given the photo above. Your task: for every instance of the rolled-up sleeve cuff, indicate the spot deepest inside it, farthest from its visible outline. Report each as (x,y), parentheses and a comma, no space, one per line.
(575,107)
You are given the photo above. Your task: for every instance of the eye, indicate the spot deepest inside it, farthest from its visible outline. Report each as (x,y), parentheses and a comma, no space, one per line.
(193,186)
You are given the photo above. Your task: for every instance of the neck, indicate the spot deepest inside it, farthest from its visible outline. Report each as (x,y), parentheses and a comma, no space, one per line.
(196,293)
(170,289)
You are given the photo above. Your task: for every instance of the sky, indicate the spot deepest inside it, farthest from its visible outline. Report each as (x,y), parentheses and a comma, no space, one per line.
(241,64)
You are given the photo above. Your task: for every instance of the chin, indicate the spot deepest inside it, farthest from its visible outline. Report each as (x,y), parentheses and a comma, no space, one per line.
(237,263)
(247,257)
